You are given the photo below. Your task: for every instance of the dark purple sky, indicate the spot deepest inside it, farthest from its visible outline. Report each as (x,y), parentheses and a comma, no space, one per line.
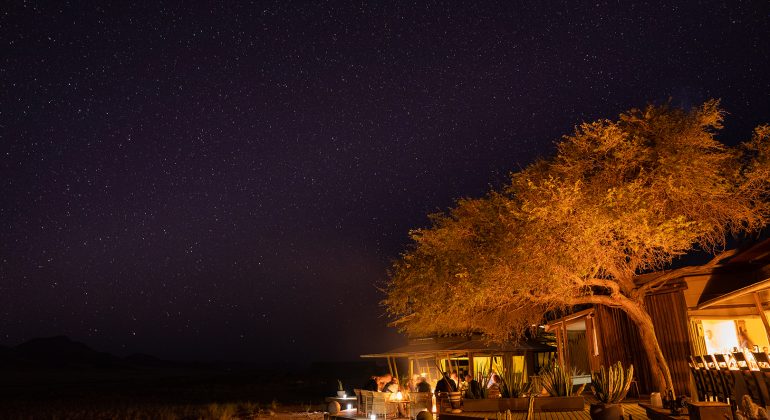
(231,182)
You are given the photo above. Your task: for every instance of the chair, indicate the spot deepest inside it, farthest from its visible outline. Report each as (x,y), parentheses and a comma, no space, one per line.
(420,401)
(700,387)
(380,406)
(703,381)
(764,373)
(368,402)
(361,408)
(749,378)
(711,369)
(762,360)
(634,384)
(727,378)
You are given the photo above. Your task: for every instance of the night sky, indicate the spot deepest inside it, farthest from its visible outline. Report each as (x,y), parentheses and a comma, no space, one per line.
(231,181)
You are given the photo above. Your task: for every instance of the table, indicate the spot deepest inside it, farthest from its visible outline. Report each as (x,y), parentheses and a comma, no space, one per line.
(344,401)
(401,408)
(659,413)
(710,410)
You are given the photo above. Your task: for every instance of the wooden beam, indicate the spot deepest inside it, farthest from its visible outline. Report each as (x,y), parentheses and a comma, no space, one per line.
(559,346)
(762,315)
(565,338)
(561,336)
(470,367)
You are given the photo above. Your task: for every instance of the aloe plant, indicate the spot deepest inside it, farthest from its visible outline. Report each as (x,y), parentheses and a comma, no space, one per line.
(482,377)
(610,386)
(514,383)
(558,382)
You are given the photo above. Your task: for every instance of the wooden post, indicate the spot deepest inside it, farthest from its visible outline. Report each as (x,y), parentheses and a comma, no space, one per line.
(560,346)
(565,339)
(471,365)
(762,315)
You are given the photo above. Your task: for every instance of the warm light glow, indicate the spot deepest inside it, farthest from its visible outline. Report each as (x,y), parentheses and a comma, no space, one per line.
(720,336)
(398,396)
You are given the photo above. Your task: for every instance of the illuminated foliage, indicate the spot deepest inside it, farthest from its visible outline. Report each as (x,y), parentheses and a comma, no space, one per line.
(619,198)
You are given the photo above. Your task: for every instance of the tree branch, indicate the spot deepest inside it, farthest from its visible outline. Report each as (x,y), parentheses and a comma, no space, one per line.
(610,301)
(609,284)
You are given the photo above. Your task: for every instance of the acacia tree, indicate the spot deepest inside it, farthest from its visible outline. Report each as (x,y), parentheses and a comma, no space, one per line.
(619,198)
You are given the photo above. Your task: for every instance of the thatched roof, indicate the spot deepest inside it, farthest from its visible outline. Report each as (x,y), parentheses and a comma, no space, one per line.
(455,345)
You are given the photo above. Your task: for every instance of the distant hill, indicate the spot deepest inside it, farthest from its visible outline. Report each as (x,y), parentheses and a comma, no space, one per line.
(60,352)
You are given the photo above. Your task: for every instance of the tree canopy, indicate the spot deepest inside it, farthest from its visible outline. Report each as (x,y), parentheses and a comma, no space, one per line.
(618,199)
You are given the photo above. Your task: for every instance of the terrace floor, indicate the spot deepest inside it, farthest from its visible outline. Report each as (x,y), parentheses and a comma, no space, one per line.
(630,409)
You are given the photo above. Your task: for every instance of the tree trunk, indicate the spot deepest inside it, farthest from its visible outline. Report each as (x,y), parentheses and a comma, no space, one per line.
(660,371)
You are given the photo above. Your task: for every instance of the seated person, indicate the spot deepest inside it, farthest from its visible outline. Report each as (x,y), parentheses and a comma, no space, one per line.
(445,384)
(411,384)
(371,384)
(455,380)
(493,390)
(472,388)
(383,380)
(377,383)
(423,385)
(391,386)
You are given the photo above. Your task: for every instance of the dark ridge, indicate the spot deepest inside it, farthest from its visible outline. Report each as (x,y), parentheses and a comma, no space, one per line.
(61,351)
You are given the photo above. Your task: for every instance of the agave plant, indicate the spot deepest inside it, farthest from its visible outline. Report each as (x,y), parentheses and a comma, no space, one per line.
(611,386)
(518,387)
(558,382)
(514,383)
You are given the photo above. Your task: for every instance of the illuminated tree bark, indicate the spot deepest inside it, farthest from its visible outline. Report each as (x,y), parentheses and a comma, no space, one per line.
(639,316)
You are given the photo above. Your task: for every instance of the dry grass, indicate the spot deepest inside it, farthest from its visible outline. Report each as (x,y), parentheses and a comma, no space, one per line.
(213,411)
(162,394)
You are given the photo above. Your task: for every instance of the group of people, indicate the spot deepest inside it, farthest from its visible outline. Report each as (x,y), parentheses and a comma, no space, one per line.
(470,387)
(389,383)
(383,383)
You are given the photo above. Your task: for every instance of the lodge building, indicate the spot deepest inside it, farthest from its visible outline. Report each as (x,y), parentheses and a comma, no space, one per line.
(698,311)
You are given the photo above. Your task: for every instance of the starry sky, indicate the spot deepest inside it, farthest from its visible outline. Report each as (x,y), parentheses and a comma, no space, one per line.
(230,181)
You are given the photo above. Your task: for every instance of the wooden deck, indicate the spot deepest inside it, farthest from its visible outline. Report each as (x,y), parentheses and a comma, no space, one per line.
(630,409)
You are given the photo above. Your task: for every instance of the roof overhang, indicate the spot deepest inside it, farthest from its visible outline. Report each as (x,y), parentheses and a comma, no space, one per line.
(585,313)
(460,347)
(756,287)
